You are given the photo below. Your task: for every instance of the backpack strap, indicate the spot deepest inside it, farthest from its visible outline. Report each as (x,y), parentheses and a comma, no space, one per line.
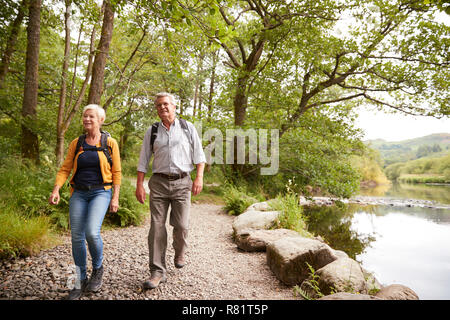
(104,146)
(79,144)
(153,134)
(185,127)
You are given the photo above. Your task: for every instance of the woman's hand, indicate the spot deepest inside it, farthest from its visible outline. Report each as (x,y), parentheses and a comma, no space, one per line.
(54,197)
(114,205)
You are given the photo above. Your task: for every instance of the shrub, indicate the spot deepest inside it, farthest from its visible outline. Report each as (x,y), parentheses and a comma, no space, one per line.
(130,212)
(291,213)
(20,236)
(237,199)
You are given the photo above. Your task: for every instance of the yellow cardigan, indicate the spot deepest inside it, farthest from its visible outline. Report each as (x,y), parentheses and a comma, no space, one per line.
(109,174)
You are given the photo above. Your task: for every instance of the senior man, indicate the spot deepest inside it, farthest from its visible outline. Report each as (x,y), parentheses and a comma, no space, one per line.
(176,146)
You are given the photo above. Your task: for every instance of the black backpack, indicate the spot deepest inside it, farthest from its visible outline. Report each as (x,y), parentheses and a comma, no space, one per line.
(154,132)
(104,146)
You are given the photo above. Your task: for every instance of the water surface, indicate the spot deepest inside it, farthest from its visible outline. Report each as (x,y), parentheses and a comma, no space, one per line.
(400,245)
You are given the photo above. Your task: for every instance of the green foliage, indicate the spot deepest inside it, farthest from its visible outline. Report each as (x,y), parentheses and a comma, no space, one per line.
(22,236)
(291,213)
(29,222)
(422,170)
(433,145)
(237,199)
(333,224)
(313,285)
(27,188)
(369,166)
(130,212)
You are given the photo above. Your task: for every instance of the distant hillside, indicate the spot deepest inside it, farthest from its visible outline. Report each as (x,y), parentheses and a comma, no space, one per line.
(400,151)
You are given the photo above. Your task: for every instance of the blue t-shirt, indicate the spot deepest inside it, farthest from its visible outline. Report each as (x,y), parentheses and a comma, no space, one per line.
(88,167)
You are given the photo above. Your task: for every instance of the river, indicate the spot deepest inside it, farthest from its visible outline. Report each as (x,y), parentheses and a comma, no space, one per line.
(399,245)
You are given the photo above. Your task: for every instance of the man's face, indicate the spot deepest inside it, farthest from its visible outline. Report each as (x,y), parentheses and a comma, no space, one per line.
(166,110)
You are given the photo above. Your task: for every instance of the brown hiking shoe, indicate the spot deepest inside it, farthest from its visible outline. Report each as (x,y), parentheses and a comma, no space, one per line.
(179,262)
(154,281)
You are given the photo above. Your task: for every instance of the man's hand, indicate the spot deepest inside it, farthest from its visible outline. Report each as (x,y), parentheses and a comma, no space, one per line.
(140,193)
(197,186)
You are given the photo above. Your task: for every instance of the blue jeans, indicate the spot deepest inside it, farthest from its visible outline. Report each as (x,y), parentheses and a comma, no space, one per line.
(87,210)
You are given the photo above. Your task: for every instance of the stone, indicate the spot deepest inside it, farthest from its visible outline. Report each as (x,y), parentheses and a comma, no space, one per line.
(342,275)
(372,283)
(397,292)
(254,220)
(260,206)
(348,296)
(288,258)
(257,240)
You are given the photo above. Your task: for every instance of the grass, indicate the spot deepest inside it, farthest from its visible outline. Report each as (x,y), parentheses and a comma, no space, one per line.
(21,236)
(211,193)
(291,216)
(423,178)
(237,199)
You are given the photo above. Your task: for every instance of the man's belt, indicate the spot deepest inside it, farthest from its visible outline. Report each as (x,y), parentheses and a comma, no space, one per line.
(172,176)
(90,186)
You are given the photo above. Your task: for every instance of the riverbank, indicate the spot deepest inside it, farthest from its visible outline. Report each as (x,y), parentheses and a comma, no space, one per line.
(370,200)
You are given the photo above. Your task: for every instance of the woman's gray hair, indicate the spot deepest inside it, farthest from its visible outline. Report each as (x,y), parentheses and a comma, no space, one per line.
(165,94)
(100,111)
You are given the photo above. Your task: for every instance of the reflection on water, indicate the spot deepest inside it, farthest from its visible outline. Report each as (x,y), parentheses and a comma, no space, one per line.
(438,193)
(334,225)
(404,245)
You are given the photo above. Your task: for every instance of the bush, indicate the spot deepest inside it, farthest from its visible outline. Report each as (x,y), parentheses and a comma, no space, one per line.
(20,236)
(130,212)
(27,189)
(291,213)
(237,199)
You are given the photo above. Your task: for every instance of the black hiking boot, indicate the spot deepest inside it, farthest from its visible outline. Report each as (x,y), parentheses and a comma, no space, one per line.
(95,283)
(75,294)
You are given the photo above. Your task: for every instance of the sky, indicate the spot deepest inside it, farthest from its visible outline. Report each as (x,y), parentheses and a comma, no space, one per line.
(397,127)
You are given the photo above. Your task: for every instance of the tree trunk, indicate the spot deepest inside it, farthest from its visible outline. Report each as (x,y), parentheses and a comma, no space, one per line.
(211,86)
(11,43)
(60,132)
(240,101)
(30,143)
(98,71)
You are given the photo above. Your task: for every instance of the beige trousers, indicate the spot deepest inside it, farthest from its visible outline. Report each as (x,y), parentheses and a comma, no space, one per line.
(175,194)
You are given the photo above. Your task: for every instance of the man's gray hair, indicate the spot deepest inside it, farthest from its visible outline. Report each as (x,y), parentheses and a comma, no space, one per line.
(165,94)
(100,111)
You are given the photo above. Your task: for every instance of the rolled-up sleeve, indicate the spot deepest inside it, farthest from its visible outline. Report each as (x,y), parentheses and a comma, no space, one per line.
(198,153)
(146,153)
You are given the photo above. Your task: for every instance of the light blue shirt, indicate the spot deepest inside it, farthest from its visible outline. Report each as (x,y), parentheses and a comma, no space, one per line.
(174,150)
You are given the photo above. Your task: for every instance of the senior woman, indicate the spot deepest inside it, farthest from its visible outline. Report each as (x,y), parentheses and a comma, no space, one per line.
(92,182)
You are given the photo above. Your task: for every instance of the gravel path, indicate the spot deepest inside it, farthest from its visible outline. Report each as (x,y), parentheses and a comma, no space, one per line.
(216,269)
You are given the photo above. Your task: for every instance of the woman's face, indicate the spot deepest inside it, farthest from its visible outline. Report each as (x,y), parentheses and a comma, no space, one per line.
(91,121)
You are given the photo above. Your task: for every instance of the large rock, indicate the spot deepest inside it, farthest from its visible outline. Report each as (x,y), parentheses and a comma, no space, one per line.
(257,240)
(289,257)
(253,219)
(397,292)
(349,296)
(341,275)
(260,206)
(372,283)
